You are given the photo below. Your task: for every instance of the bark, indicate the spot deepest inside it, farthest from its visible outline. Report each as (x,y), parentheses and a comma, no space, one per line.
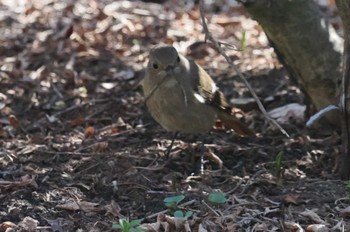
(344,11)
(306,45)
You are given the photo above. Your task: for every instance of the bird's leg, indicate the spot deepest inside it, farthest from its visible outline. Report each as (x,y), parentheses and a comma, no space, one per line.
(168,150)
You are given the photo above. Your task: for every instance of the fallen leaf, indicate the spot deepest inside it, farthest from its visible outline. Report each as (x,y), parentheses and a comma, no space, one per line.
(13,121)
(7,225)
(77,121)
(100,147)
(29,224)
(89,132)
(80,205)
(114,209)
(313,216)
(317,228)
(285,113)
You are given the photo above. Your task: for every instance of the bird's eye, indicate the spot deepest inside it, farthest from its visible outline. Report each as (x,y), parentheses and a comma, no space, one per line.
(155,66)
(178,59)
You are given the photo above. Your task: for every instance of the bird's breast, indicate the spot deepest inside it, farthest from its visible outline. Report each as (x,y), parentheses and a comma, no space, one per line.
(171,84)
(175,107)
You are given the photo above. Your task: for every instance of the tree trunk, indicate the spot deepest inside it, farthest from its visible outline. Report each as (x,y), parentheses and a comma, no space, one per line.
(344,11)
(306,45)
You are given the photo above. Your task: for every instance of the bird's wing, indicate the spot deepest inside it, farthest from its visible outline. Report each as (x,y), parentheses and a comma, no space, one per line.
(207,89)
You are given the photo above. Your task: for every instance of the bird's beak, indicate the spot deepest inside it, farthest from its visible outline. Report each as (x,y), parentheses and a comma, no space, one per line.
(169,69)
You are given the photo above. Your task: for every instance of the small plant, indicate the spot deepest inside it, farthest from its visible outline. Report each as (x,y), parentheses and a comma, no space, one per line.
(173,202)
(217,198)
(125,226)
(278,165)
(180,214)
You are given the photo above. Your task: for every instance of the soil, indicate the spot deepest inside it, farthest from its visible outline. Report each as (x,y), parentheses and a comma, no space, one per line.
(79,150)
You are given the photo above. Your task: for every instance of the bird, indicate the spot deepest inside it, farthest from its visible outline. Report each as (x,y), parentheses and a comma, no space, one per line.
(182,97)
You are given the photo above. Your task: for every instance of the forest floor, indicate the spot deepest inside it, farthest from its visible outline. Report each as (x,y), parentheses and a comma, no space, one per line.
(79,151)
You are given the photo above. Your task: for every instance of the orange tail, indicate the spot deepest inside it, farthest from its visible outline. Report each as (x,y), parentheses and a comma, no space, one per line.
(233,123)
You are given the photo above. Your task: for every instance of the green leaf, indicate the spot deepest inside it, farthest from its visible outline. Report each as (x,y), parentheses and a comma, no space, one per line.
(178,214)
(217,197)
(279,160)
(173,201)
(136,230)
(127,226)
(59,105)
(124,224)
(116,226)
(135,222)
(135,41)
(188,214)
(170,204)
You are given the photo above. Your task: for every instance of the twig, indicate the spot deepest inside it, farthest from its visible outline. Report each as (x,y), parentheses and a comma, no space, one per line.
(235,188)
(211,209)
(70,108)
(227,210)
(161,192)
(154,88)
(103,109)
(209,36)
(102,154)
(160,83)
(60,95)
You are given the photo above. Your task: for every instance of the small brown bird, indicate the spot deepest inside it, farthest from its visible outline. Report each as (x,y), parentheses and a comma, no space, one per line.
(182,97)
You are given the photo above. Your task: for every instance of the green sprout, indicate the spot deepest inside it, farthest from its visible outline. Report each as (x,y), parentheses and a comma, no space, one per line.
(126,226)
(180,214)
(173,202)
(278,165)
(217,198)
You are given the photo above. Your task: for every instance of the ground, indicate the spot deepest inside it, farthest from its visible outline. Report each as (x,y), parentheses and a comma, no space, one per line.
(79,151)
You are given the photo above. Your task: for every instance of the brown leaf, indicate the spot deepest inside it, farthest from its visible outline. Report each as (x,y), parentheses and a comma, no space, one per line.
(13,121)
(89,132)
(114,209)
(25,181)
(100,147)
(291,198)
(77,121)
(6,225)
(80,205)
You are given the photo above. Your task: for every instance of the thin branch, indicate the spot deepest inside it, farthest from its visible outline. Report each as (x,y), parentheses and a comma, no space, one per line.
(209,36)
